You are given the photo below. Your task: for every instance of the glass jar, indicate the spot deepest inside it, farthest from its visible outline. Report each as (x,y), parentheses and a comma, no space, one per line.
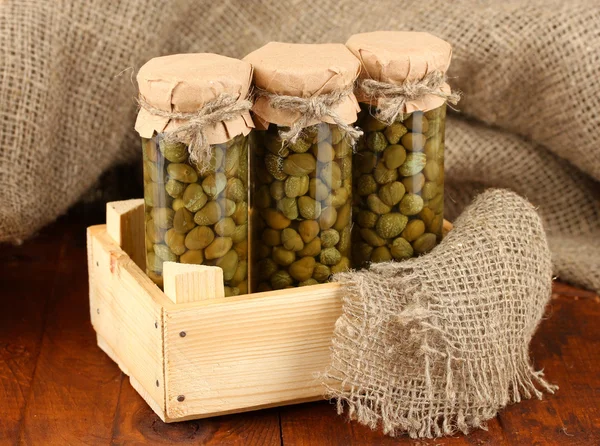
(195,164)
(301,163)
(399,164)
(302,206)
(399,186)
(199,218)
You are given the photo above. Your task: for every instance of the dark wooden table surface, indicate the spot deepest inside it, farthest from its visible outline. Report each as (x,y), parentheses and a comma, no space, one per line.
(57,387)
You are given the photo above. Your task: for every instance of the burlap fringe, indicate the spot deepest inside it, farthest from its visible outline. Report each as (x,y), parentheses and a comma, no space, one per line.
(391,99)
(310,109)
(191,132)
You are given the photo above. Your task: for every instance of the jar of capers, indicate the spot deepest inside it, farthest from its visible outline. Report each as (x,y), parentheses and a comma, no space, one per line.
(196,212)
(399,165)
(302,199)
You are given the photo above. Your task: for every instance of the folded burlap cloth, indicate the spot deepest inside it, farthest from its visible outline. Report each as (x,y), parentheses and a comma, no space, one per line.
(438,344)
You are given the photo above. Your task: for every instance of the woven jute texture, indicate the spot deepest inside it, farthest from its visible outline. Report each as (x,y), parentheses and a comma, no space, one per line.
(438,344)
(526,67)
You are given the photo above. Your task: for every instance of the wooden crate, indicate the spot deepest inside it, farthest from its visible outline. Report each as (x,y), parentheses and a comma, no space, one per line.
(191,354)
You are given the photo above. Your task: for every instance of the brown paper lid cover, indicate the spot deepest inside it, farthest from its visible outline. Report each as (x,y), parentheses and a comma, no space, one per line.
(303,70)
(399,56)
(184,83)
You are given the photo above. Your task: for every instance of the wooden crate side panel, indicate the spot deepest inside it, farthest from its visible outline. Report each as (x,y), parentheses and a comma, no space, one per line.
(248,353)
(127,316)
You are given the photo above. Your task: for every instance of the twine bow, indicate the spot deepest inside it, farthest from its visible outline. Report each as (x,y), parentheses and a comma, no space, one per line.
(311,109)
(391,99)
(224,108)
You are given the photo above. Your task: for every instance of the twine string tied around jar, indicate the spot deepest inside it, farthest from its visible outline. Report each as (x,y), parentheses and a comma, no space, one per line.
(391,99)
(311,109)
(191,132)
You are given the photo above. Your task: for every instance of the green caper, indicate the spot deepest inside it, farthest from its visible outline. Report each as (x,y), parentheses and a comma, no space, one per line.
(302,269)
(301,145)
(177,204)
(299,164)
(240,233)
(289,207)
(296,186)
(323,152)
(341,266)
(228,263)
(308,230)
(401,249)
(366,185)
(417,122)
(227,207)
(392,193)
(394,155)
(366,219)
(163,217)
(262,198)
(152,194)
(309,208)
(182,172)
(192,256)
(414,183)
(432,170)
(225,227)
(209,214)
(235,190)
(411,204)
(372,124)
(275,219)
(175,241)
(376,142)
(330,238)
(415,162)
(430,190)
(175,152)
(291,240)
(384,175)
(214,184)
(240,216)
(394,132)
(241,273)
(331,174)
(414,229)
(330,256)
(281,279)
(371,237)
(183,221)
(164,253)
(231,163)
(390,225)
(218,247)
(277,189)
(321,272)
(283,256)
(199,238)
(308,282)
(376,205)
(415,142)
(424,243)
(381,254)
(327,218)
(274,165)
(194,197)
(174,188)
(311,249)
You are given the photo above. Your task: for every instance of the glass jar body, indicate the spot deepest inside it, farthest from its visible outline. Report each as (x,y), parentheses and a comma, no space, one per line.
(193,217)
(301,207)
(398,186)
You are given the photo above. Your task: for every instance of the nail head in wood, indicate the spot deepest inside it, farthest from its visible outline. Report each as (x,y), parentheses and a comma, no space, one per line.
(157,383)
(180,398)
(182,334)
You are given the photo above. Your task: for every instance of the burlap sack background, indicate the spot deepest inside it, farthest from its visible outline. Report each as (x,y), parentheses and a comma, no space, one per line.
(528,69)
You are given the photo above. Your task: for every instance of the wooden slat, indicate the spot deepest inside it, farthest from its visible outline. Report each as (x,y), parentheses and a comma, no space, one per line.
(125,225)
(248,352)
(185,283)
(126,312)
